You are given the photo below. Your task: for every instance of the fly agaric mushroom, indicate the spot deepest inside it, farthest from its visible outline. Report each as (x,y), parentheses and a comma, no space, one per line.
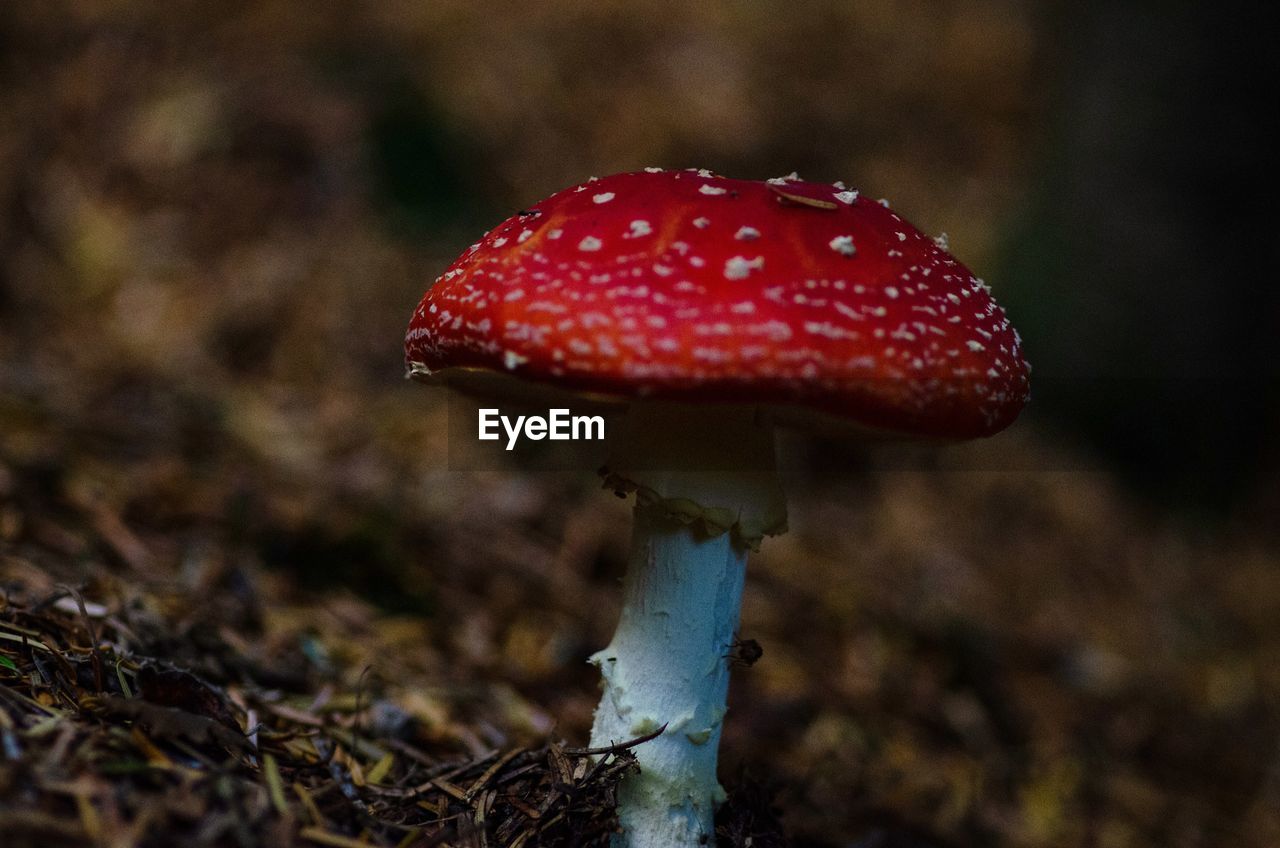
(711,308)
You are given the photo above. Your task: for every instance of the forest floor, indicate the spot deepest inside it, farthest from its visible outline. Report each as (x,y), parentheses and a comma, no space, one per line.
(198,649)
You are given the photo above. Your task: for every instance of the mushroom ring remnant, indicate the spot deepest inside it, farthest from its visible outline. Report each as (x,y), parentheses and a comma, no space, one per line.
(711,308)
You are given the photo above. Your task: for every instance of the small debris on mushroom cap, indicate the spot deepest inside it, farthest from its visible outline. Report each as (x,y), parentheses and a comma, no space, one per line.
(845,307)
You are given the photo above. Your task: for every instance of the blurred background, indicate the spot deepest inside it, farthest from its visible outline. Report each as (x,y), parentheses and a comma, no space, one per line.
(215,220)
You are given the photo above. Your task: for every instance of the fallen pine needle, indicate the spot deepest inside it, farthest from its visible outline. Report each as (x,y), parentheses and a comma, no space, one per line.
(380,769)
(324,837)
(275,786)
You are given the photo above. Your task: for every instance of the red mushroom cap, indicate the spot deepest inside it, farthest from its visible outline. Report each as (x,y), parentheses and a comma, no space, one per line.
(690,286)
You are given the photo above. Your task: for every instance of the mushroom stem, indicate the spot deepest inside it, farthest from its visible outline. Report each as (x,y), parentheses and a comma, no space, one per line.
(706,491)
(667,665)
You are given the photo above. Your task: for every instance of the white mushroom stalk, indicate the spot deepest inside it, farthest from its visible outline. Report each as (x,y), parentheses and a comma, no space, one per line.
(706,491)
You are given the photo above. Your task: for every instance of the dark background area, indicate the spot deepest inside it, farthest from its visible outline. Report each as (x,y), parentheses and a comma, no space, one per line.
(215,221)
(1145,258)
